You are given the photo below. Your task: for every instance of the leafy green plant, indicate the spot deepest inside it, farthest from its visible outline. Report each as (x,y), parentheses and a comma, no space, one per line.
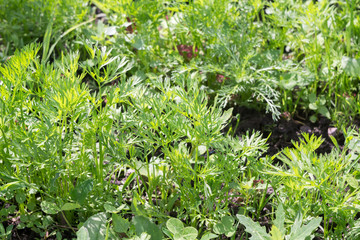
(318,104)
(23,22)
(68,126)
(319,184)
(93,228)
(179,232)
(98,227)
(354,231)
(5,233)
(278,230)
(108,130)
(225,226)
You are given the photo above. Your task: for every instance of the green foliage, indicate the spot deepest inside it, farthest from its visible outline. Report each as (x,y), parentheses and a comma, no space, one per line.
(142,224)
(179,232)
(69,134)
(121,225)
(5,233)
(351,66)
(326,181)
(118,119)
(278,232)
(318,105)
(225,226)
(93,228)
(22,22)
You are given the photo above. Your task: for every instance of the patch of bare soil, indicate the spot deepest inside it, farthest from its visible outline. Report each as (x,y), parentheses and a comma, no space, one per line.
(287,129)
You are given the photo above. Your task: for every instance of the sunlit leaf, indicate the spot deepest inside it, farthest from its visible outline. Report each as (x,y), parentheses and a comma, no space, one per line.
(94,227)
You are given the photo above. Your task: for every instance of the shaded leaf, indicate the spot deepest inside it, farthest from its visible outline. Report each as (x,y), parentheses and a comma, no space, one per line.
(80,192)
(312,98)
(143,224)
(324,111)
(20,197)
(2,229)
(121,225)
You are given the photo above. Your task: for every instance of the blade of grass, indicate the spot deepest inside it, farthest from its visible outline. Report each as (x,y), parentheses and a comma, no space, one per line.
(69,31)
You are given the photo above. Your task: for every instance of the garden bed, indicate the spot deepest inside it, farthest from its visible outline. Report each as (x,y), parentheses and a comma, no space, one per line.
(179,119)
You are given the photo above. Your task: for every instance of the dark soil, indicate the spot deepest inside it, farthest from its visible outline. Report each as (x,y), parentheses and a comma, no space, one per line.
(287,129)
(28,234)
